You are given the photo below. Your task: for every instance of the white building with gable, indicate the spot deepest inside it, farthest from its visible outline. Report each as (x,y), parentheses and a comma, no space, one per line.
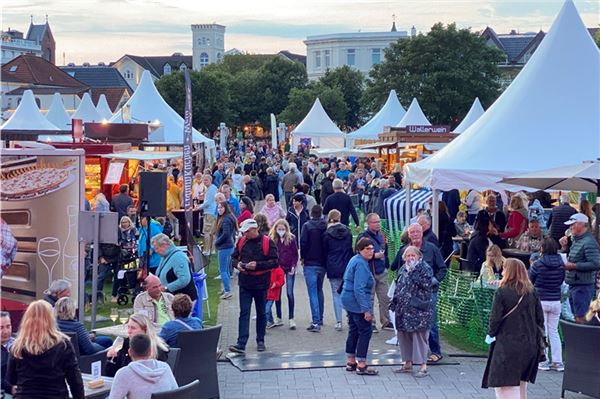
(208,44)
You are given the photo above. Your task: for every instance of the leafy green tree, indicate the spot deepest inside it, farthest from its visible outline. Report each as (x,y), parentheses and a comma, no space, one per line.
(597,38)
(351,83)
(444,69)
(236,63)
(301,100)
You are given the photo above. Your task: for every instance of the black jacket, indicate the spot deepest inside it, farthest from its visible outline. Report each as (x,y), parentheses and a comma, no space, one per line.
(122,359)
(5,385)
(326,189)
(499,219)
(311,242)
(478,245)
(337,245)
(296,222)
(547,275)
(252,250)
(272,186)
(556,222)
(43,376)
(447,231)
(342,202)
(252,191)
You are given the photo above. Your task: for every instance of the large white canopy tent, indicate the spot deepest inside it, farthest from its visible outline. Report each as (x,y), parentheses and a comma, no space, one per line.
(57,114)
(414,116)
(474,113)
(86,110)
(546,118)
(146,105)
(389,115)
(103,108)
(318,127)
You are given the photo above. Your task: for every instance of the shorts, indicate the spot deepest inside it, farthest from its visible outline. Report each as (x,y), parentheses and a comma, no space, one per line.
(580,297)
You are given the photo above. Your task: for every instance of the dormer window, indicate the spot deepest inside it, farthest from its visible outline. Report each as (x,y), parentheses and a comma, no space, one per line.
(182,67)
(13,68)
(167,69)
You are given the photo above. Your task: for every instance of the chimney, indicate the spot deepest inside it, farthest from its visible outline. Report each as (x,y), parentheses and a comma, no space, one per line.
(413,31)
(513,32)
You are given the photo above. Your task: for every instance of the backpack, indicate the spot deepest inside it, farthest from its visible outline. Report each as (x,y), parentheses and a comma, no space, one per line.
(265,244)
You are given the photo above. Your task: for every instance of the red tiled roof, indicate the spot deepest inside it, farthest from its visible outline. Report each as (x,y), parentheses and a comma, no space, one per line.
(36,70)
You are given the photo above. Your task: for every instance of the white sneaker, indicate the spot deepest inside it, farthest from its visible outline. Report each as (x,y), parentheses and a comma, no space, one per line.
(277,322)
(545,366)
(217,277)
(392,341)
(226,295)
(557,367)
(292,324)
(338,326)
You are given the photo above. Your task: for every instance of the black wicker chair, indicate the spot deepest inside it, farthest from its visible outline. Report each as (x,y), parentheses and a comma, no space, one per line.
(582,359)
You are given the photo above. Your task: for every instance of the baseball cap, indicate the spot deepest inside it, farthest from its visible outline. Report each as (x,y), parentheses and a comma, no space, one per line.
(578,217)
(248,224)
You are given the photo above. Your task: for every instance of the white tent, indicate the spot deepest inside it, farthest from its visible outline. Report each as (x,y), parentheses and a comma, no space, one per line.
(474,113)
(57,114)
(86,110)
(414,116)
(546,118)
(147,106)
(318,127)
(103,108)
(389,115)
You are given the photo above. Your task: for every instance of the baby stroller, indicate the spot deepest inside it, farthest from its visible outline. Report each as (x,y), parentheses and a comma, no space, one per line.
(128,276)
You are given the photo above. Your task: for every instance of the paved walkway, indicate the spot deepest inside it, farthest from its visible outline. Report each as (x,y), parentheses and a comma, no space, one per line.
(445,381)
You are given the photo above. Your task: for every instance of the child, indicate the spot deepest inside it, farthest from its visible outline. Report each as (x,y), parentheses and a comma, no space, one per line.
(274,295)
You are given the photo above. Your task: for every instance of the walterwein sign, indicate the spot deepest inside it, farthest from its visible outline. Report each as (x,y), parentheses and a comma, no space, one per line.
(427,129)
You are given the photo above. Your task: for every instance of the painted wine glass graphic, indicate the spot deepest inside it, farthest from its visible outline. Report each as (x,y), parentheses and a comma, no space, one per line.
(49,252)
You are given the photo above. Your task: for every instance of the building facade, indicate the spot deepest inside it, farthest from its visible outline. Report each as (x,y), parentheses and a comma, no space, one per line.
(208,44)
(131,67)
(360,50)
(38,41)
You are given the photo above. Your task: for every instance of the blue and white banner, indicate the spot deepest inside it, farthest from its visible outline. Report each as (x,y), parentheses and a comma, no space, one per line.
(187,159)
(395,207)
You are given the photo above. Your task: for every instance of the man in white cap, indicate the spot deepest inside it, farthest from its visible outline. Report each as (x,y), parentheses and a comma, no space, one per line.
(582,265)
(255,255)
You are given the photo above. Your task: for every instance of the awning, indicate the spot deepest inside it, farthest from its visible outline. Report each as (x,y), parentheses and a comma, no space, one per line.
(143,155)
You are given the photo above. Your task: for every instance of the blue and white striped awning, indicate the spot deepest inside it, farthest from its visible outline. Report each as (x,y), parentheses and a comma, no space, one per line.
(395,206)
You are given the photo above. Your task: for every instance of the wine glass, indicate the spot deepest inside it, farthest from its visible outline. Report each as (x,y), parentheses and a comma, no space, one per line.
(123,317)
(114,315)
(49,251)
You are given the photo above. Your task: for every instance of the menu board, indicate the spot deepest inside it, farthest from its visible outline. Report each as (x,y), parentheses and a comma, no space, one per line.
(115,170)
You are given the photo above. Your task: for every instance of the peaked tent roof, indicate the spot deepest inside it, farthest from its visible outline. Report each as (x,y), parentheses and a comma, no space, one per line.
(57,115)
(319,127)
(414,116)
(86,110)
(389,115)
(27,116)
(147,105)
(474,113)
(103,108)
(529,114)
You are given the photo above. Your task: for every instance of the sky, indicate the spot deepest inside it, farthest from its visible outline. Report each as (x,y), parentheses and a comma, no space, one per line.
(104,30)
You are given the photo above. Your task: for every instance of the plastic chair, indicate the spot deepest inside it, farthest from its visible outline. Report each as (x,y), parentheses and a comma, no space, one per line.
(198,360)
(582,368)
(189,391)
(173,358)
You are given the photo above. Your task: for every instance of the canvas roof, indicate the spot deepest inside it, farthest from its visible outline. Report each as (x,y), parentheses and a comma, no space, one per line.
(57,114)
(319,127)
(414,116)
(389,115)
(86,110)
(474,113)
(147,105)
(27,116)
(534,124)
(103,108)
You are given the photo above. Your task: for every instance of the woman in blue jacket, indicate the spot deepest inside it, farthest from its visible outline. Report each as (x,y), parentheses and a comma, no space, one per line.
(356,299)
(174,270)
(225,238)
(182,307)
(155,228)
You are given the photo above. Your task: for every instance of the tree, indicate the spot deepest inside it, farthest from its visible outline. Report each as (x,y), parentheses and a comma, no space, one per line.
(301,100)
(351,84)
(597,38)
(445,70)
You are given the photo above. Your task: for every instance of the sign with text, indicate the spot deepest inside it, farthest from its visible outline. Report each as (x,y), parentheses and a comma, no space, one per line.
(115,170)
(187,158)
(427,129)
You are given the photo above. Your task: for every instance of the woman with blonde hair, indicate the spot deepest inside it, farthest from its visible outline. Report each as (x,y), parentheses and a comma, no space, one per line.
(64,311)
(515,331)
(491,269)
(137,324)
(42,358)
(517,219)
(287,250)
(592,317)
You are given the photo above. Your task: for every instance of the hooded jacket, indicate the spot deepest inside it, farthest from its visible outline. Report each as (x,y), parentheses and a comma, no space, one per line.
(337,246)
(547,275)
(142,378)
(311,242)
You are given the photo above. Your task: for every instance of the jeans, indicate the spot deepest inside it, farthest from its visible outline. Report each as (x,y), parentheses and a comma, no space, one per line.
(580,297)
(289,290)
(288,199)
(434,334)
(268,310)
(551,315)
(103,341)
(260,299)
(359,335)
(314,276)
(337,299)
(224,258)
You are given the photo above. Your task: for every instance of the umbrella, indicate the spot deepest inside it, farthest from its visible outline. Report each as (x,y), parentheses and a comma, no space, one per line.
(582,177)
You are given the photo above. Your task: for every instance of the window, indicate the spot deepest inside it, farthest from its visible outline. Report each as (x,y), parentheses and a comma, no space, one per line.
(203,60)
(182,67)
(376,56)
(317,59)
(166,69)
(351,57)
(219,57)
(128,74)
(327,58)
(13,68)
(202,41)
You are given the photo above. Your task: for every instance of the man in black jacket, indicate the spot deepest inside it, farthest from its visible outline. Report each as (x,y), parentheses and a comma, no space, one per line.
(6,340)
(121,201)
(559,215)
(255,264)
(327,186)
(313,258)
(342,202)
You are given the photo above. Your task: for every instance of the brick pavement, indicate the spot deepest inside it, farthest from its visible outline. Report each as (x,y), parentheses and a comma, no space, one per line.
(459,381)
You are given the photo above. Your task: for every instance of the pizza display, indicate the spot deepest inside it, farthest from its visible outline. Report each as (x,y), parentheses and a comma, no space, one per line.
(33,182)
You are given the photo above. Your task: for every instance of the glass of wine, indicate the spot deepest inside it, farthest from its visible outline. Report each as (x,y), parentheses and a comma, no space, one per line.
(114,315)
(123,317)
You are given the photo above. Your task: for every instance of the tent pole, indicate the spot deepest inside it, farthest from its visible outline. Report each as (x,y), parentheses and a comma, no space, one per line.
(407,206)
(435,217)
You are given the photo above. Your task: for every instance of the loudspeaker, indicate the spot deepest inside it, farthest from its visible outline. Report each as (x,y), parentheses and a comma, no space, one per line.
(153,194)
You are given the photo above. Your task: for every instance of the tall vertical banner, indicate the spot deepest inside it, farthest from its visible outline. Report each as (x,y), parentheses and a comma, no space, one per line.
(273,132)
(187,161)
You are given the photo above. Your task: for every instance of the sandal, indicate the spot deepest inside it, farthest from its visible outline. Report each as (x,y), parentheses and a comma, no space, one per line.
(434,358)
(351,366)
(403,370)
(421,374)
(366,371)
